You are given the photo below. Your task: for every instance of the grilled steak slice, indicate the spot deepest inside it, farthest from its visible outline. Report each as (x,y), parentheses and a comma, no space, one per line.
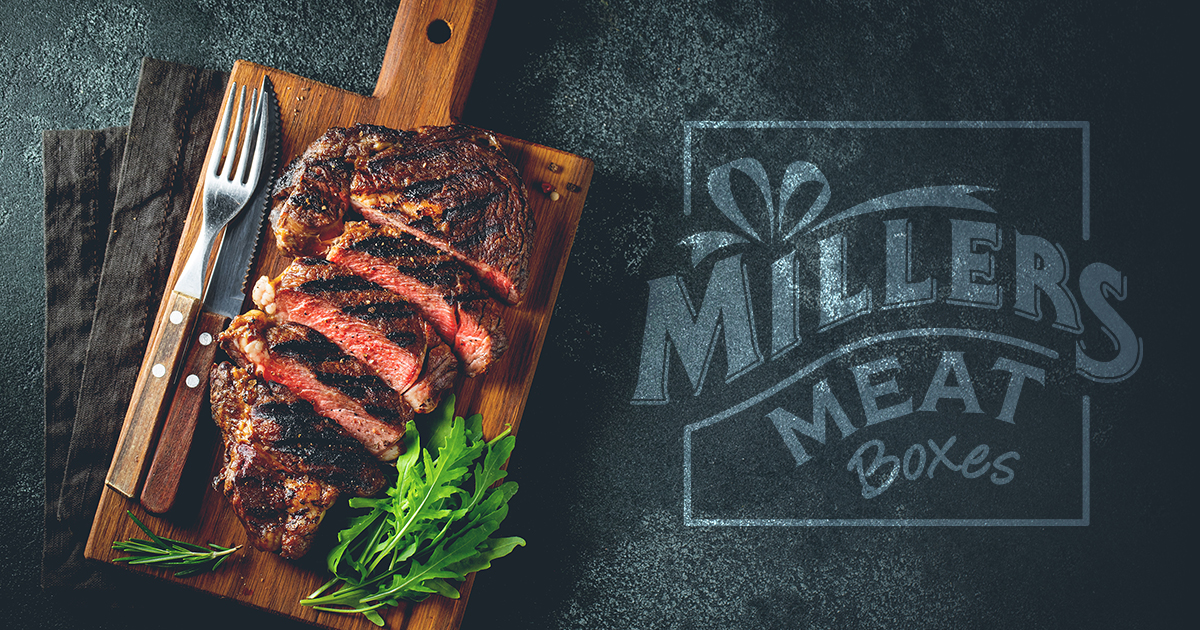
(365,320)
(441,289)
(284,465)
(450,186)
(454,188)
(337,385)
(312,195)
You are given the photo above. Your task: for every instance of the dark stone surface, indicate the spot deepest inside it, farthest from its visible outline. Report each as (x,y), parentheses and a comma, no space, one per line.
(601,493)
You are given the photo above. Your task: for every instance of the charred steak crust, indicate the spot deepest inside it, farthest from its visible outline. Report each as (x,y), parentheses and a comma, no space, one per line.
(283,464)
(314,369)
(439,286)
(450,186)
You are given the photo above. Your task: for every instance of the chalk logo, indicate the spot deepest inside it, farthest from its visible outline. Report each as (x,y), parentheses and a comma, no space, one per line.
(904,338)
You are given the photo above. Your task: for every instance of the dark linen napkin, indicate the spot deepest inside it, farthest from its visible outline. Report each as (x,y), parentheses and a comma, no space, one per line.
(115,204)
(80,173)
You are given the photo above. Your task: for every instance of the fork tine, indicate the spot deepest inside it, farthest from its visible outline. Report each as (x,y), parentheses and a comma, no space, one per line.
(227,171)
(214,163)
(260,148)
(248,139)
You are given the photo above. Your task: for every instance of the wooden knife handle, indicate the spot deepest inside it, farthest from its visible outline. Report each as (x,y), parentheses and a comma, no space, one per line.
(175,440)
(151,393)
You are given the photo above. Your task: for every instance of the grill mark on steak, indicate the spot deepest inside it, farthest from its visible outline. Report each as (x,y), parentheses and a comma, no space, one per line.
(402,338)
(439,287)
(423,188)
(468,210)
(338,284)
(424,224)
(479,236)
(308,350)
(386,163)
(283,464)
(384,246)
(378,410)
(323,447)
(398,310)
(439,274)
(358,386)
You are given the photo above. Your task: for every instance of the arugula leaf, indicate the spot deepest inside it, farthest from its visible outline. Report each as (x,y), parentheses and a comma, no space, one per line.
(434,526)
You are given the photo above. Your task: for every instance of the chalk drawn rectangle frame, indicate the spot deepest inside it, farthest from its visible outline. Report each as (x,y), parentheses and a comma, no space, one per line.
(1085,518)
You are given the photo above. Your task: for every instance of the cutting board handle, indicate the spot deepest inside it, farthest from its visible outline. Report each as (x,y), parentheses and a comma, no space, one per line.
(424,81)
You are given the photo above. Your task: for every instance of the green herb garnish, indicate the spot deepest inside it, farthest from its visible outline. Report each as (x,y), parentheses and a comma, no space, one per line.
(166,552)
(433,526)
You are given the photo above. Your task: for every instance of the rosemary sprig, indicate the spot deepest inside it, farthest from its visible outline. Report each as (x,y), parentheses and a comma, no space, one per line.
(193,559)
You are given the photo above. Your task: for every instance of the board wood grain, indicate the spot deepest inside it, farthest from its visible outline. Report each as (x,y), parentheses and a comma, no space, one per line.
(420,83)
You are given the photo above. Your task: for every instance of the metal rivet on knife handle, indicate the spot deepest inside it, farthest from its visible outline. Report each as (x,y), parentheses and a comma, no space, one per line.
(162,480)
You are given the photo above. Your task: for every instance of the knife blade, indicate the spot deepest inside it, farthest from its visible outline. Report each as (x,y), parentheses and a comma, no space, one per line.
(223,299)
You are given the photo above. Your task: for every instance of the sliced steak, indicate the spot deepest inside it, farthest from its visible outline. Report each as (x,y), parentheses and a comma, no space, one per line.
(441,289)
(366,321)
(454,188)
(284,465)
(337,385)
(450,186)
(312,195)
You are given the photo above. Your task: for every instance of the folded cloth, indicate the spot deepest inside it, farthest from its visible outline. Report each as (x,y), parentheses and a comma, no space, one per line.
(80,186)
(115,204)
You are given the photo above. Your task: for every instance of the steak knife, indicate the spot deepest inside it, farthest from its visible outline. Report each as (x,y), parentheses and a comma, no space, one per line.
(223,301)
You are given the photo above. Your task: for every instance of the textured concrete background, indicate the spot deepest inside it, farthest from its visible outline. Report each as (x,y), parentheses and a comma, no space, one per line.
(600,500)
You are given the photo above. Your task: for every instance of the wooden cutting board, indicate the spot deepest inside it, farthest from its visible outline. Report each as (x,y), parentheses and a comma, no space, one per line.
(421,83)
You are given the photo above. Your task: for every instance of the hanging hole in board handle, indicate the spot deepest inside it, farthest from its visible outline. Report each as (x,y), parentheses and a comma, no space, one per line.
(438,32)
